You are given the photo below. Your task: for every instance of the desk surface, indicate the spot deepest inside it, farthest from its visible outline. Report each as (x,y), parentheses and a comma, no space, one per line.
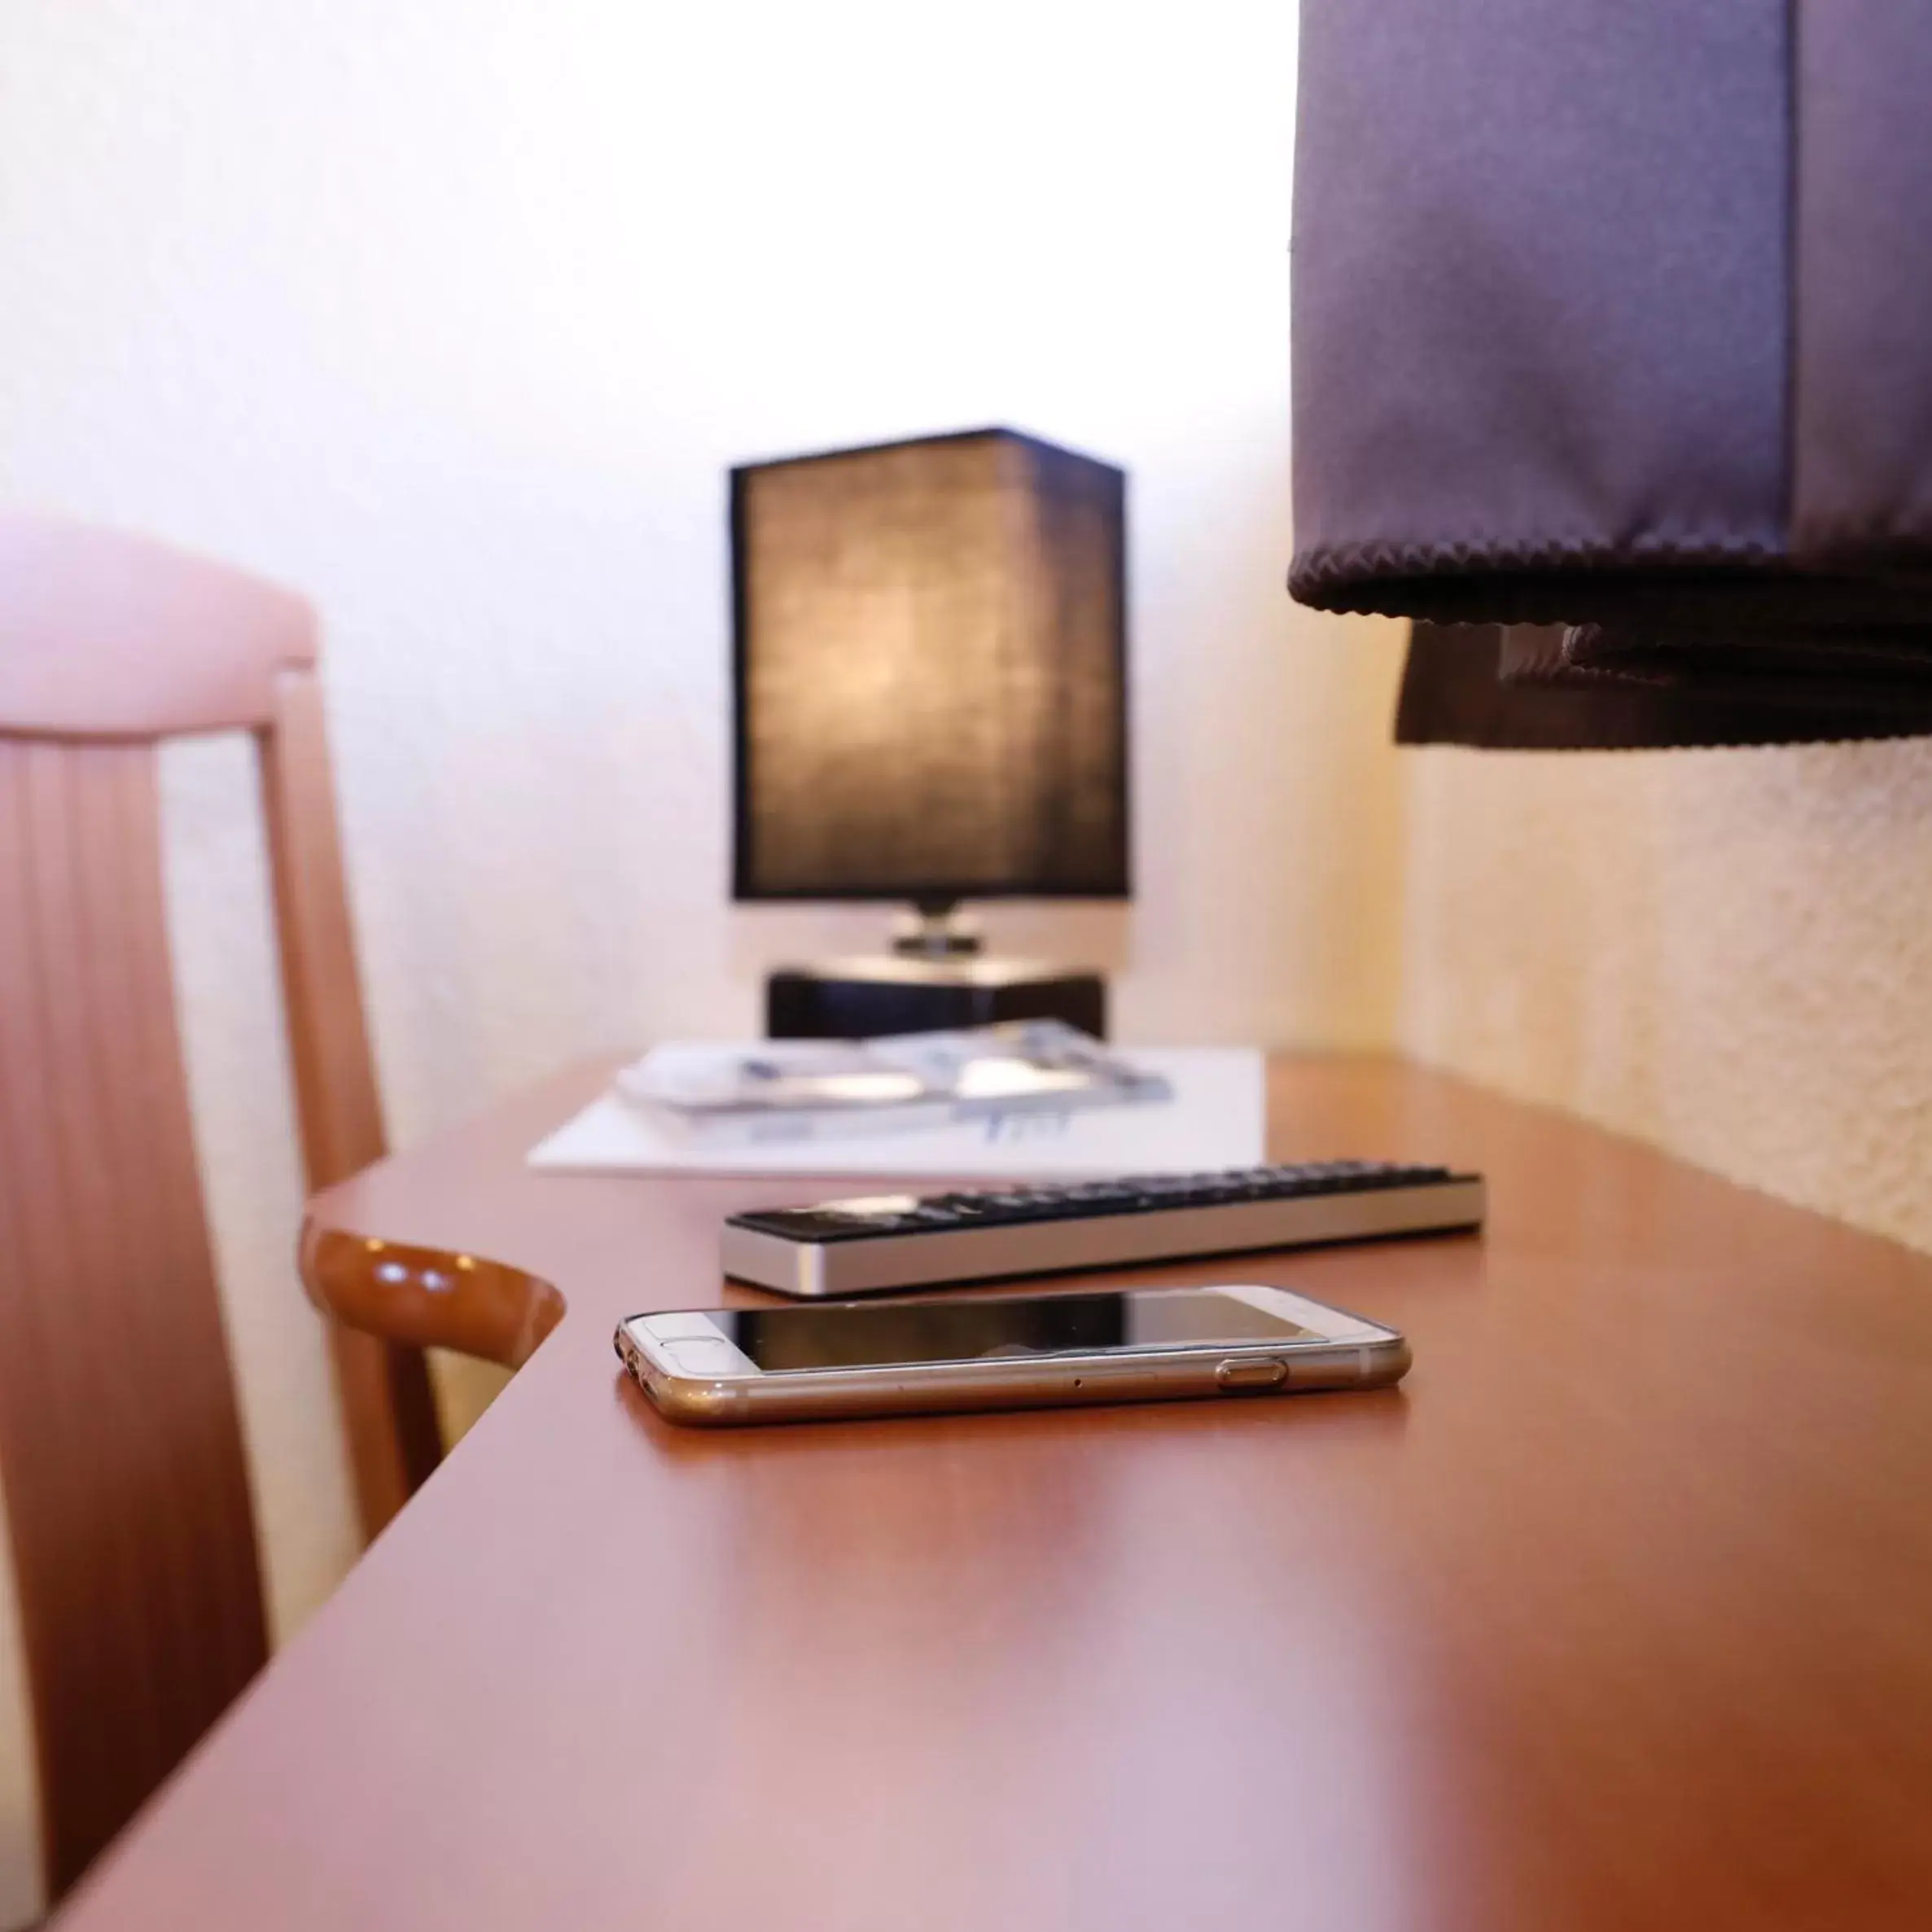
(1618,1614)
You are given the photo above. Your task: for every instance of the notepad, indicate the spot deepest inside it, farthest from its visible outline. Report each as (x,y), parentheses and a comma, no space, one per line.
(1216,1119)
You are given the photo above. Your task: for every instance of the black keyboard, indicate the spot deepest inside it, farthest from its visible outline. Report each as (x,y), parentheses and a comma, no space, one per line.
(876,1243)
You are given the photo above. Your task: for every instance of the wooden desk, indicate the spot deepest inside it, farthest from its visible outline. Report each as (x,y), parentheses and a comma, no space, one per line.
(1619,1615)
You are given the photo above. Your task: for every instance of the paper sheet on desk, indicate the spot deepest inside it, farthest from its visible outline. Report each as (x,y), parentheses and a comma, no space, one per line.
(1216,1119)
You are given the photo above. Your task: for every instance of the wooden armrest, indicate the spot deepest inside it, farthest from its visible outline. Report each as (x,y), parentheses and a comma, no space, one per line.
(428,1296)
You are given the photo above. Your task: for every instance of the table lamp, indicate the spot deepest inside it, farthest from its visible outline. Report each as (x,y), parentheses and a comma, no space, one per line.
(930,707)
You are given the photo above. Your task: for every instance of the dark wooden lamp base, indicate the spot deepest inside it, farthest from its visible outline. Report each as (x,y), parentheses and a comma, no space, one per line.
(858,999)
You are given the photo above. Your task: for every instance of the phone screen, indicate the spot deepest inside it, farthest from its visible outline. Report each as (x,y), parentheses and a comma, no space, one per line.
(969,1330)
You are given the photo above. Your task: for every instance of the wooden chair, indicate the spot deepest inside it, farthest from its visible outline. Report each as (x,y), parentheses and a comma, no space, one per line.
(120,1450)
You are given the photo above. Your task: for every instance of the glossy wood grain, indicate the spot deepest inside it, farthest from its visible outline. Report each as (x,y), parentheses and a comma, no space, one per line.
(387,1408)
(121,1451)
(428,1298)
(1612,1619)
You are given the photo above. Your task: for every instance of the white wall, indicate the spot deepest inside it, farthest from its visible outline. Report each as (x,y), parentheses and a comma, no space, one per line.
(453,314)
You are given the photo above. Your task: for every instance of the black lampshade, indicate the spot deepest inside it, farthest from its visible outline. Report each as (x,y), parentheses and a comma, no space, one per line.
(930,662)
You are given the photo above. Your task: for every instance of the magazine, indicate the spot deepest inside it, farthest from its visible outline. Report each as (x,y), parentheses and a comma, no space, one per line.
(790,1090)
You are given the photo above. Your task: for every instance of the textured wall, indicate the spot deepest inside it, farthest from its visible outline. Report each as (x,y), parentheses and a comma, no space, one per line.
(1726,952)
(453,315)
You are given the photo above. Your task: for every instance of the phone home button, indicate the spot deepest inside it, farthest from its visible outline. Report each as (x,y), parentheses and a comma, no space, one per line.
(1263,1374)
(712,1356)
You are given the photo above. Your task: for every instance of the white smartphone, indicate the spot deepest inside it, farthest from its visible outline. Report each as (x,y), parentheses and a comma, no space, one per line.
(874,1358)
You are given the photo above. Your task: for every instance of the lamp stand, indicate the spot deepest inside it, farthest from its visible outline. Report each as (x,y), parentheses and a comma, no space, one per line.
(934,930)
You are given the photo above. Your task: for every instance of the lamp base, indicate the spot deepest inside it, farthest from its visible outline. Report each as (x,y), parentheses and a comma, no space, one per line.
(859,999)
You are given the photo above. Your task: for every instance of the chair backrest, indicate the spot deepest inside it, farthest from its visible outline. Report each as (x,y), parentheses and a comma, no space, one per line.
(120,1450)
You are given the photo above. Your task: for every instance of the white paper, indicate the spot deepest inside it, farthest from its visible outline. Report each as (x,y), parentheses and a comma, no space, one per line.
(1217,1119)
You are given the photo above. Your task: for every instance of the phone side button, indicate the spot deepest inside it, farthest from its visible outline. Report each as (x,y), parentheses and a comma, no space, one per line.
(1251,1374)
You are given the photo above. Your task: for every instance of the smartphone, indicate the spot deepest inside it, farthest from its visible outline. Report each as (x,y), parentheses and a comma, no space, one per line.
(711,1366)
